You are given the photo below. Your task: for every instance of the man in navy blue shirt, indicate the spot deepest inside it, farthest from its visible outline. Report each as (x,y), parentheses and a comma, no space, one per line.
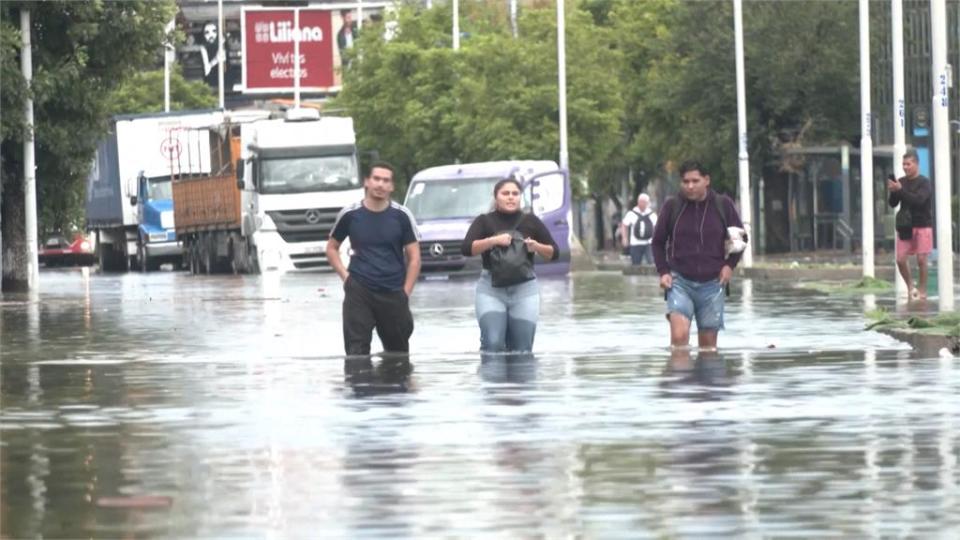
(383,268)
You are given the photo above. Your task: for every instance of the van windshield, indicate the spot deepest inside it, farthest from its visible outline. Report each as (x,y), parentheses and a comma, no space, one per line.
(455,198)
(308,174)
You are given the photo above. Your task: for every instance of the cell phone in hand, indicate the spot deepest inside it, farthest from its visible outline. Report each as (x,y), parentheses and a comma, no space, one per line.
(892,177)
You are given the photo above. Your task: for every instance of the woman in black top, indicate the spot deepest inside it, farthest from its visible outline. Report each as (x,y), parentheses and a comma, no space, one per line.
(507,315)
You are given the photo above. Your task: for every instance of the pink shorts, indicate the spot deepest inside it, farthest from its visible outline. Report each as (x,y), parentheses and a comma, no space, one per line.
(920,244)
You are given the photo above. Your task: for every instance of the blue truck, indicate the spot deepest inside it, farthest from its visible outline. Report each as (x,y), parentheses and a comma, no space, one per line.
(129,200)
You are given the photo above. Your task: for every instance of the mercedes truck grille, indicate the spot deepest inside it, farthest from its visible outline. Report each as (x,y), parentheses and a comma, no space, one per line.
(309,225)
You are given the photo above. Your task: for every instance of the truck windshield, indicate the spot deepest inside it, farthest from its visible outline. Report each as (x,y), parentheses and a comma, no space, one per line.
(159,189)
(308,174)
(455,198)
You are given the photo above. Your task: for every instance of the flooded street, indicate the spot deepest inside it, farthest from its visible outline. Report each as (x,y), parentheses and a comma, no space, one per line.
(169,405)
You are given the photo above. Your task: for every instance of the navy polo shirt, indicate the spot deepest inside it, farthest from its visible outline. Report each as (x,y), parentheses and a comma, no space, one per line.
(377,240)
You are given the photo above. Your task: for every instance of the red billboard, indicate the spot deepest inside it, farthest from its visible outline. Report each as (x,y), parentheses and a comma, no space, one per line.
(268,37)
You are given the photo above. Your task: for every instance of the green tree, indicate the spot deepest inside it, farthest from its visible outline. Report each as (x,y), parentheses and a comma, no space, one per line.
(81,52)
(143,92)
(801,79)
(422,104)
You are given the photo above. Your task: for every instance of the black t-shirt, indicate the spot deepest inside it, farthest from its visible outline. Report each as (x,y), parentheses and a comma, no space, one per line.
(496,222)
(377,240)
(916,194)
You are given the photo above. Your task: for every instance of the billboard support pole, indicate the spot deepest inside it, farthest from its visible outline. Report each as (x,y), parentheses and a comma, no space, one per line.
(296,58)
(221,57)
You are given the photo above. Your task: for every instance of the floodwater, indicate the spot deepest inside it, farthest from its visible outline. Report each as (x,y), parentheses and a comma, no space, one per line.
(168,405)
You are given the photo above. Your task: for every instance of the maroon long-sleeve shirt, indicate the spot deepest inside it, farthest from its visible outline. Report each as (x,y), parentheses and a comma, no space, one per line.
(694,248)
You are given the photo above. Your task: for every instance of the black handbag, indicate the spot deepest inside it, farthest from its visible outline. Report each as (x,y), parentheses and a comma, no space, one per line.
(511,264)
(904,223)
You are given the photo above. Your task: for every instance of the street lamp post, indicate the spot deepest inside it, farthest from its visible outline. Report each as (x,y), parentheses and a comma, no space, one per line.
(899,119)
(456,25)
(941,151)
(562,84)
(743,156)
(866,144)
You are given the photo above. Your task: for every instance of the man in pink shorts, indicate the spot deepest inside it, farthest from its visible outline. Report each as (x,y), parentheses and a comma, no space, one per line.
(914,221)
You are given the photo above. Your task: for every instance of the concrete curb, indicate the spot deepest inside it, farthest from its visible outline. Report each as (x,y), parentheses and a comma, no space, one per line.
(925,344)
(825,273)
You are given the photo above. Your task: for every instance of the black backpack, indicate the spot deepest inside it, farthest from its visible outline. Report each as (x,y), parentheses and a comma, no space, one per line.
(643,227)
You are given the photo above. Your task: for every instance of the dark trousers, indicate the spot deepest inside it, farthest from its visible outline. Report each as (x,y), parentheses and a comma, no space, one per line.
(365,309)
(640,253)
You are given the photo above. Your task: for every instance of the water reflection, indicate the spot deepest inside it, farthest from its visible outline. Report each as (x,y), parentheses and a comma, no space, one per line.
(508,368)
(704,367)
(227,400)
(390,375)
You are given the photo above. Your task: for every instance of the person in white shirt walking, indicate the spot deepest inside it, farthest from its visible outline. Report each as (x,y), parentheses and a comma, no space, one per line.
(636,230)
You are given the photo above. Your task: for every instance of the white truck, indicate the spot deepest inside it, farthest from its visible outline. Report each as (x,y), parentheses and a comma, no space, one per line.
(129,202)
(272,201)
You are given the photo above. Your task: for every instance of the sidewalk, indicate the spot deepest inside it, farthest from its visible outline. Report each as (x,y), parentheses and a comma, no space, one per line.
(795,266)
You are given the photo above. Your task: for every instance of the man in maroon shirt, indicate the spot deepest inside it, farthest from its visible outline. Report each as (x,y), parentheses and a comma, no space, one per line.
(689,251)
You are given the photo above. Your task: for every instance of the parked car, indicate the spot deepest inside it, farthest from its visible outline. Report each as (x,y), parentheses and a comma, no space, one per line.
(56,250)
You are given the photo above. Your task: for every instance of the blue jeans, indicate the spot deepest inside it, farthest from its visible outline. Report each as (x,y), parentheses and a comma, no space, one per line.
(702,300)
(507,315)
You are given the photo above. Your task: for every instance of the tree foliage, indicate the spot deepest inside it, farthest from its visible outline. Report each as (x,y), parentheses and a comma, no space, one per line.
(422,104)
(649,84)
(801,78)
(81,51)
(143,92)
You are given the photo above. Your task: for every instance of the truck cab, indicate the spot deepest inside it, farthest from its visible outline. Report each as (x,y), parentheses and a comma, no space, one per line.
(298,173)
(445,200)
(156,237)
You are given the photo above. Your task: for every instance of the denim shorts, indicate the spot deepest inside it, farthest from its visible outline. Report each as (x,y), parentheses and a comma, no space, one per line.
(700,300)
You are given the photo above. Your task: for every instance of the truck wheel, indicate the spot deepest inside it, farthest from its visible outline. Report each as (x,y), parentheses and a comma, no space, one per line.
(206,260)
(142,262)
(110,259)
(191,255)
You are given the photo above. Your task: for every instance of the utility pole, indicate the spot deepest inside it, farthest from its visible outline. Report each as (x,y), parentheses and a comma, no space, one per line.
(866,144)
(29,166)
(899,121)
(513,17)
(743,156)
(941,151)
(562,80)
